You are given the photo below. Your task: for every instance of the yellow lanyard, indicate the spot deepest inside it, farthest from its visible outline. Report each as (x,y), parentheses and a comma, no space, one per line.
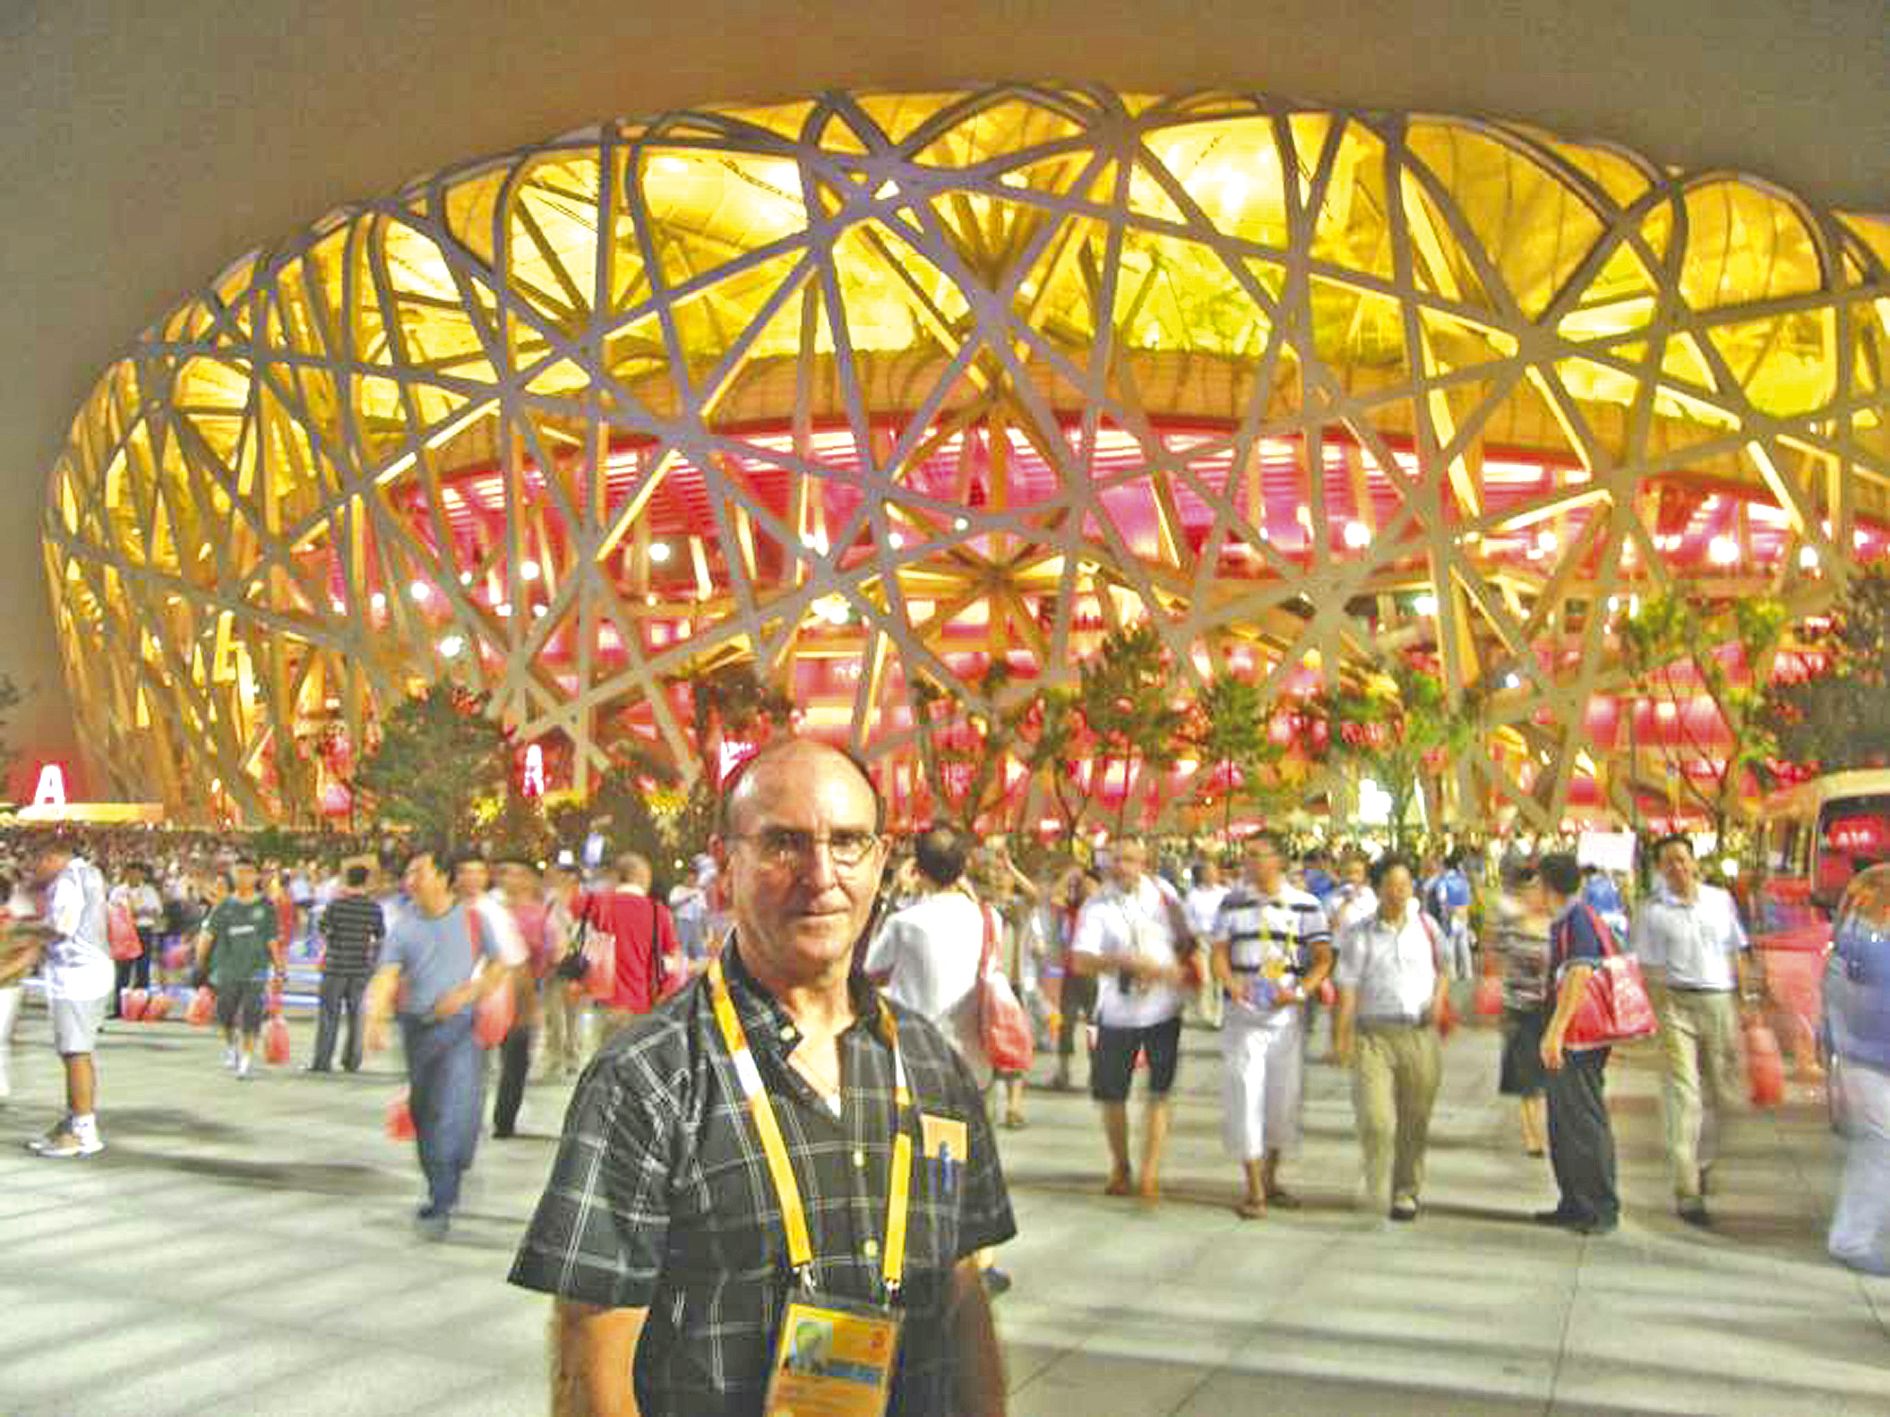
(774,1149)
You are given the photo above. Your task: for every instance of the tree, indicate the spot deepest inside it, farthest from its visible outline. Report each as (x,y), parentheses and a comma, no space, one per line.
(10,697)
(1839,717)
(964,748)
(727,701)
(1678,643)
(1124,693)
(438,757)
(1229,726)
(1050,730)
(1398,727)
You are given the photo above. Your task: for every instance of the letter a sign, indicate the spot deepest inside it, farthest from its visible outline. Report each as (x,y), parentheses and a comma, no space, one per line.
(51,791)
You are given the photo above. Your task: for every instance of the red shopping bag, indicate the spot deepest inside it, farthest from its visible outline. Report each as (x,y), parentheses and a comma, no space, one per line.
(600,973)
(276,1041)
(121,934)
(1003,1025)
(176,957)
(1615,1008)
(1765,1068)
(157,1006)
(1446,1018)
(1487,1002)
(203,1008)
(494,1016)
(400,1118)
(131,1004)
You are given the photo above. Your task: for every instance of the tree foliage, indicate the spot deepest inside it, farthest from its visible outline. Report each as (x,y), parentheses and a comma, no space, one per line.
(438,756)
(1229,726)
(1051,730)
(1677,643)
(1125,696)
(964,747)
(10,697)
(729,700)
(1398,727)
(1840,717)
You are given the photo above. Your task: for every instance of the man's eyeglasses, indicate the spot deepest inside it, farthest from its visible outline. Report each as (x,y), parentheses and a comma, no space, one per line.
(788,846)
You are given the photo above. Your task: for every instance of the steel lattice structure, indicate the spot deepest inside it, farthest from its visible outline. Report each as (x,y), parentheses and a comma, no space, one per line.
(876,389)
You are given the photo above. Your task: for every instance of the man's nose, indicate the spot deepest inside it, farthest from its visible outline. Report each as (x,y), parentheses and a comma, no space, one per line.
(817,867)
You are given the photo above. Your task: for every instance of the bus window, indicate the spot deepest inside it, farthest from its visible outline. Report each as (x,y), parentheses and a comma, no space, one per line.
(1853,833)
(1782,845)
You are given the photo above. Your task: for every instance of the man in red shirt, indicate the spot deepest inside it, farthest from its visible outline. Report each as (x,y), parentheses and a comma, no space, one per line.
(647,949)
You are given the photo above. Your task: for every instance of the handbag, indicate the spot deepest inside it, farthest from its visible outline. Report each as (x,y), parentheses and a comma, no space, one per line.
(575,962)
(1615,1007)
(1003,1026)
(276,1041)
(1487,1002)
(497,1009)
(1765,1067)
(121,934)
(399,1120)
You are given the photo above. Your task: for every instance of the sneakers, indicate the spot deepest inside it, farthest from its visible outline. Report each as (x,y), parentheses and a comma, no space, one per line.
(243,1068)
(431,1224)
(60,1144)
(1405,1208)
(229,1059)
(1693,1210)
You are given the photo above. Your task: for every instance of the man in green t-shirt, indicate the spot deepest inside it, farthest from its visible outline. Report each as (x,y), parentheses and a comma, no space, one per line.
(240,941)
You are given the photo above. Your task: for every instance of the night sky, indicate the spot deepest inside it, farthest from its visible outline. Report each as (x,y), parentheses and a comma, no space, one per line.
(146,147)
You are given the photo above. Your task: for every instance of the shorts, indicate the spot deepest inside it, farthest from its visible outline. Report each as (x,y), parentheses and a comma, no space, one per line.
(1112,1062)
(75,1024)
(241,1005)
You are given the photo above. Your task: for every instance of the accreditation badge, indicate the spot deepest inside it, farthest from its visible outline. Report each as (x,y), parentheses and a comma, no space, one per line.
(834,1358)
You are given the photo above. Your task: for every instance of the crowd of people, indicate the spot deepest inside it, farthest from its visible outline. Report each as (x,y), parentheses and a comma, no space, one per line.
(792,1041)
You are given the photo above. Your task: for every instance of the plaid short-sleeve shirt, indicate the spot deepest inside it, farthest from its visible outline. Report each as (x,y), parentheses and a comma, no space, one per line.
(659,1197)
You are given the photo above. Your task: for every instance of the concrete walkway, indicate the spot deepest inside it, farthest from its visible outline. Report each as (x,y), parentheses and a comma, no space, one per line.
(243,1250)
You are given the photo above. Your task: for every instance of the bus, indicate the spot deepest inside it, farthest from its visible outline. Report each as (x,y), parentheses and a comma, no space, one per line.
(1820,833)
(1814,838)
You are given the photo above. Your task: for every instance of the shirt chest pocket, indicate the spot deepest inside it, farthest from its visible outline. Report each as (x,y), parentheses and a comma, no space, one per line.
(941,1184)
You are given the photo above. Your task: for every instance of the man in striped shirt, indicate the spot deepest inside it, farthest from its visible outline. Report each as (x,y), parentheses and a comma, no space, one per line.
(352,927)
(1272,951)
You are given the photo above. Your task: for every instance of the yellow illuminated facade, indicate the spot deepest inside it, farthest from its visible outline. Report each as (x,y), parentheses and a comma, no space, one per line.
(876,390)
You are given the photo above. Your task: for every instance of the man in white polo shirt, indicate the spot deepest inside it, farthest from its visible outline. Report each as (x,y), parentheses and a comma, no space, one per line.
(1272,951)
(78,972)
(1132,937)
(1689,939)
(1392,988)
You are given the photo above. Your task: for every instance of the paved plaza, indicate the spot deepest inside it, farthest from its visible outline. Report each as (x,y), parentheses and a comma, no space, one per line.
(245,1251)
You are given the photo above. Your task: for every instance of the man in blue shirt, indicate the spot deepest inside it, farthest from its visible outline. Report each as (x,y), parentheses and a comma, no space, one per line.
(1581,1140)
(436,966)
(1448,900)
